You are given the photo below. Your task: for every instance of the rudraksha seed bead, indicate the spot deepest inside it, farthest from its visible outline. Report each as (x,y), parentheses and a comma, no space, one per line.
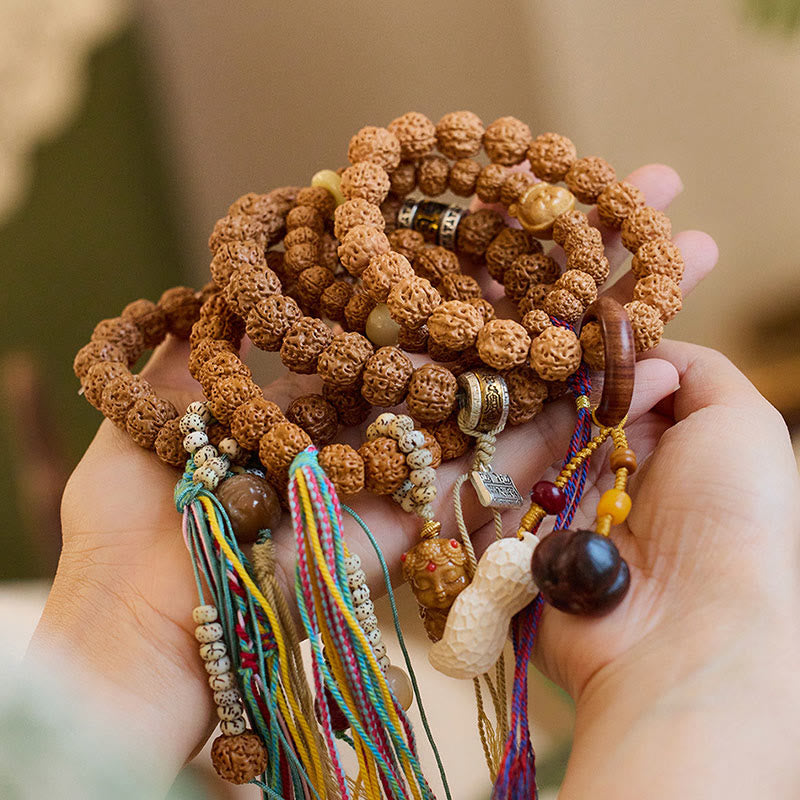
(221,365)
(94,353)
(535,321)
(240,758)
(506,141)
(334,300)
(549,496)
(452,440)
(303,343)
(149,318)
(301,235)
(534,298)
(279,445)
(580,284)
(342,362)
(431,393)
(300,257)
(350,406)
(367,181)
(455,324)
(617,202)
(357,311)
(591,260)
(562,304)
(503,344)
(329,252)
(305,217)
(581,236)
(251,504)
(216,432)
(555,354)
(432,174)
(267,210)
(376,145)
(250,284)
(457,286)
(386,376)
(344,468)
(526,394)
(433,263)
(98,377)
(476,231)
(123,333)
(646,324)
(459,134)
(658,257)
(406,242)
(311,283)
(644,225)
(236,228)
(588,177)
(566,223)
(316,416)
(275,263)
(360,245)
(385,466)
(508,245)
(204,351)
(147,417)
(661,293)
(403,180)
(490,182)
(233,255)
(515,186)
(485,308)
(551,155)
(270,319)
(528,270)
(169,444)
(592,345)
(119,396)
(463,177)
(416,133)
(355,212)
(412,300)
(229,393)
(181,307)
(413,340)
(383,272)
(251,420)
(580,572)
(218,326)
(318,198)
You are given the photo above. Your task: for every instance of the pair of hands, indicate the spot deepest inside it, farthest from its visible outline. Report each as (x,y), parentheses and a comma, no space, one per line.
(694,667)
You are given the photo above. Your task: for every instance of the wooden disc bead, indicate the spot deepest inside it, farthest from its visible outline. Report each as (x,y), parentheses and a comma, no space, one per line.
(623,458)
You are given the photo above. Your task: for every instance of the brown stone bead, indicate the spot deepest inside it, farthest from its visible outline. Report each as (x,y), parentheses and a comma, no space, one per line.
(251,420)
(623,458)
(485,308)
(658,257)
(147,416)
(278,447)
(591,260)
(119,396)
(551,155)
(431,393)
(365,180)
(406,242)
(270,319)
(506,141)
(429,441)
(588,177)
(416,133)
(376,145)
(580,284)
(361,243)
(412,300)
(452,440)
(251,504)
(535,321)
(204,351)
(357,311)
(311,283)
(316,416)
(149,318)
(93,353)
(526,394)
(433,263)
(508,245)
(582,237)
(459,134)
(319,198)
(463,177)
(344,468)
(386,376)
(490,182)
(563,305)
(403,180)
(534,298)
(237,228)
(528,270)
(229,393)
(250,284)
(303,344)
(341,363)
(240,758)
(432,175)
(644,225)
(592,345)
(305,217)
(122,333)
(334,299)
(301,235)
(350,406)
(98,377)
(503,344)
(356,212)
(566,223)
(169,444)
(476,231)
(617,202)
(268,211)
(413,340)
(384,270)
(233,255)
(455,325)
(646,323)
(660,292)
(181,307)
(515,186)
(457,286)
(555,354)
(221,365)
(385,466)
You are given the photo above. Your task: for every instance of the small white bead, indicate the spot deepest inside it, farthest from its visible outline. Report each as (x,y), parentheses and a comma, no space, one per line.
(199,408)
(208,632)
(206,613)
(411,440)
(220,465)
(352,563)
(356,579)
(360,594)
(419,458)
(194,441)
(403,491)
(222,683)
(379,649)
(191,422)
(383,421)
(230,713)
(369,624)
(407,504)
(204,455)
(233,727)
(374,636)
(424,476)
(206,476)
(219,666)
(384,663)
(213,650)
(373,432)
(227,697)
(422,495)
(230,447)
(258,472)
(363,610)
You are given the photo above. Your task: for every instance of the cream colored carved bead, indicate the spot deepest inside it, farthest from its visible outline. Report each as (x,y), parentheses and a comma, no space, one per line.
(330,180)
(219,666)
(356,579)
(208,632)
(230,713)
(370,623)
(352,563)
(221,683)
(374,636)
(191,422)
(407,504)
(194,441)
(422,495)
(233,727)
(424,476)
(206,476)
(199,407)
(400,494)
(206,613)
(230,447)
(227,697)
(213,650)
(419,458)
(477,624)
(383,421)
(204,454)
(400,425)
(384,663)
(360,595)
(363,610)
(220,465)
(373,432)
(411,440)
(378,648)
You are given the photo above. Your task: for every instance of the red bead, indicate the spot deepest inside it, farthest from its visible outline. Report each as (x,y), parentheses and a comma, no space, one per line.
(549,497)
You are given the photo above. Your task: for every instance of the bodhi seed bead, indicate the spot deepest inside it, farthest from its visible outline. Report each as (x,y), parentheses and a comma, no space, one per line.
(227,697)
(374,636)
(233,727)
(207,476)
(384,663)
(614,503)
(412,440)
(204,454)
(230,447)
(360,595)
(383,421)
(549,497)
(220,465)
(208,632)
(220,683)
(356,579)
(378,648)
(419,458)
(194,441)
(423,494)
(363,610)
(206,613)
(219,666)
(213,650)
(230,713)
(370,623)
(423,476)
(407,504)
(352,563)
(199,408)
(191,422)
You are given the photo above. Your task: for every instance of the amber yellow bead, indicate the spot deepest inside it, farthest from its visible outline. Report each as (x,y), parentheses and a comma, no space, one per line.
(328,179)
(616,504)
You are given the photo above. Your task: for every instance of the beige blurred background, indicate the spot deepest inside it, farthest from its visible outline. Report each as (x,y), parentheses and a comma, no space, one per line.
(211,100)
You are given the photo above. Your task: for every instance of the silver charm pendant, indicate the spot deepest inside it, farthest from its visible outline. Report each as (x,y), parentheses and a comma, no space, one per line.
(495,489)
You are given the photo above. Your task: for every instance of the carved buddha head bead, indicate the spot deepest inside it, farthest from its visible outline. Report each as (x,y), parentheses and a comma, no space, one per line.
(539,207)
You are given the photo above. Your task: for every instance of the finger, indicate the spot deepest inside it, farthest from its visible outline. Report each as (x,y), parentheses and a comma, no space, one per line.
(167,370)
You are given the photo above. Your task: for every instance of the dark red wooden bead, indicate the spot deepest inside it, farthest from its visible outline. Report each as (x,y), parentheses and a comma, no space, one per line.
(549,497)
(580,572)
